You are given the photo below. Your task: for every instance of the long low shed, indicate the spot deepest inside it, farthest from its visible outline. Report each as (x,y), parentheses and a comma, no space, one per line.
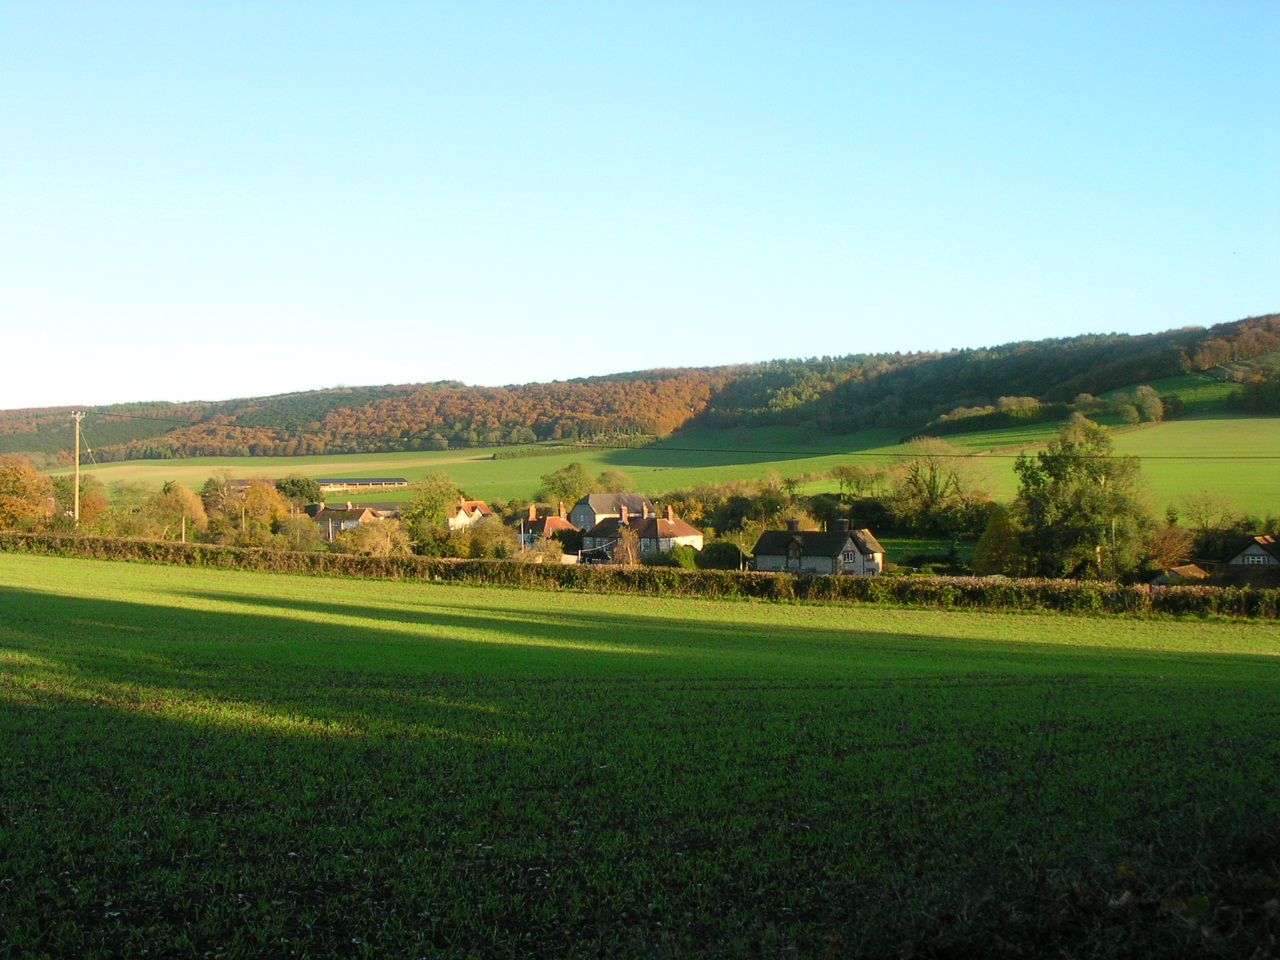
(335,484)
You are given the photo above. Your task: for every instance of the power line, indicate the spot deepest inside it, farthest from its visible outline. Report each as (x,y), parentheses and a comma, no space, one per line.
(137,416)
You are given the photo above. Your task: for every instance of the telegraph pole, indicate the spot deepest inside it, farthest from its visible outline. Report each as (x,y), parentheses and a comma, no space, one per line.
(75,510)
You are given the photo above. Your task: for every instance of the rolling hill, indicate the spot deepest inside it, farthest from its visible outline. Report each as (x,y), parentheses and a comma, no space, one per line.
(901,394)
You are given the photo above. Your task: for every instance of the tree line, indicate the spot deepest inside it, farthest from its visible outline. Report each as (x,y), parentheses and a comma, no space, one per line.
(905,391)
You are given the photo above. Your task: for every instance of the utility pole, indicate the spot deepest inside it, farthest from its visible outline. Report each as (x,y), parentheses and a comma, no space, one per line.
(75,509)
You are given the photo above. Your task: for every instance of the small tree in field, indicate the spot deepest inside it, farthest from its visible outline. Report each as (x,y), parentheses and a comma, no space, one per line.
(1080,505)
(24,493)
(263,504)
(999,549)
(299,489)
(300,533)
(566,485)
(1168,545)
(95,504)
(613,481)
(384,538)
(430,505)
(491,538)
(627,550)
(544,550)
(720,555)
(171,511)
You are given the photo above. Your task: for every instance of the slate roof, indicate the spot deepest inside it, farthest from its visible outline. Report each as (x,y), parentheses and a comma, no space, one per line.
(613,503)
(1267,543)
(363,481)
(545,526)
(864,539)
(344,513)
(660,528)
(606,529)
(815,543)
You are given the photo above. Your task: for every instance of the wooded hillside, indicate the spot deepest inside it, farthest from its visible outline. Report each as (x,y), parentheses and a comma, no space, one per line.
(831,394)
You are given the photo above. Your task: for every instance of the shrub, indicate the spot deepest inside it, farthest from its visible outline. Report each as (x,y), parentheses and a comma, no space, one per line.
(975,593)
(720,555)
(680,555)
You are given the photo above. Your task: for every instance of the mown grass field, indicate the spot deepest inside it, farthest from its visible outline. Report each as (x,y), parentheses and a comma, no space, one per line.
(207,763)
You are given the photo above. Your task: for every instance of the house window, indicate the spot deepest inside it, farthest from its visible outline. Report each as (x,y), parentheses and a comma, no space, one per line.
(850,556)
(1256,558)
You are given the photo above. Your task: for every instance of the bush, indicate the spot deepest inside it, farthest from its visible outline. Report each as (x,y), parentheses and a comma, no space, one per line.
(720,555)
(973,593)
(681,556)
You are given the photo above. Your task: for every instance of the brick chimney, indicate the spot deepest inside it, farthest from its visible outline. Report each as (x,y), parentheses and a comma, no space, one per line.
(645,508)
(843,524)
(622,513)
(793,525)
(561,509)
(671,512)
(533,512)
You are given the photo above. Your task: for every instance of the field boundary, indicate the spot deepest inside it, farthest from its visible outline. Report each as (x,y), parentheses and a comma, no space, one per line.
(969,593)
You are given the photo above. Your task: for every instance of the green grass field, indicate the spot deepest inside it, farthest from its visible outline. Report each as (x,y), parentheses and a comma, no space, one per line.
(1204,397)
(1180,457)
(207,763)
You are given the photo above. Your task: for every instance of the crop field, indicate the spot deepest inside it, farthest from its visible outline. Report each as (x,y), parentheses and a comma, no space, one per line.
(217,763)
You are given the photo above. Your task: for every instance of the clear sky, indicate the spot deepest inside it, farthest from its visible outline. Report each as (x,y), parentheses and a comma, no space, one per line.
(212,200)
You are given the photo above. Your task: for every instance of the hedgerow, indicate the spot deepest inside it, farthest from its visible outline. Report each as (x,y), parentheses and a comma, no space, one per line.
(970,593)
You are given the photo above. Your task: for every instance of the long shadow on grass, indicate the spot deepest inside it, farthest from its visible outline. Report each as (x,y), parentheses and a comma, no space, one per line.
(724,644)
(786,812)
(203,650)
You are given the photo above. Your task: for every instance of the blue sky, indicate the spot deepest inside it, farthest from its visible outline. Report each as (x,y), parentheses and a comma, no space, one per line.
(202,201)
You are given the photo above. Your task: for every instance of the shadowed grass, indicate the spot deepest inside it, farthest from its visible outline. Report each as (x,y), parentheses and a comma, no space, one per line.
(206,761)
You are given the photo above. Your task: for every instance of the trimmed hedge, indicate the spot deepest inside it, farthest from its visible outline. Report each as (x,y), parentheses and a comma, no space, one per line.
(971,593)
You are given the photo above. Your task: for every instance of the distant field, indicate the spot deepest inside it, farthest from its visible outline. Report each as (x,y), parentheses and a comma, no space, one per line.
(1205,397)
(686,459)
(1171,453)
(1237,457)
(220,763)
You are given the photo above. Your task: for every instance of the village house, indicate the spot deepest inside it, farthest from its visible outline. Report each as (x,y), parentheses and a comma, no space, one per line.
(594,507)
(468,512)
(533,527)
(337,520)
(659,534)
(1264,552)
(839,551)
(1180,574)
(654,534)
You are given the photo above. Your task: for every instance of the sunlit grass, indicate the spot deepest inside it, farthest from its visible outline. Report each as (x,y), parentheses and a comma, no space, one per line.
(202,761)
